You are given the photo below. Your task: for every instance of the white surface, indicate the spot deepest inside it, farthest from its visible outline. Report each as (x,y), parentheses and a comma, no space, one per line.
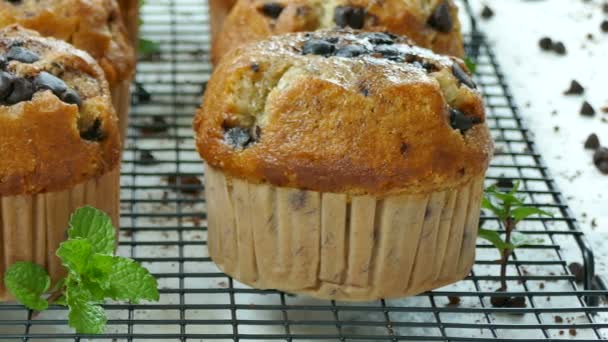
(538,79)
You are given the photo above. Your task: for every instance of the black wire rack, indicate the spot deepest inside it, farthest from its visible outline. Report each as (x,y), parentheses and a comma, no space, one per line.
(164,227)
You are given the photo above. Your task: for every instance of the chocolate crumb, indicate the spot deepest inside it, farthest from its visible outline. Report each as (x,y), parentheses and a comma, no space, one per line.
(592,142)
(578,271)
(604,109)
(587,109)
(561,333)
(505,183)
(575,88)
(590,36)
(146,158)
(605,7)
(604,26)
(189,185)
(546,43)
(558,319)
(454,301)
(594,223)
(158,125)
(487,12)
(556,129)
(559,48)
(541,286)
(572,332)
(600,159)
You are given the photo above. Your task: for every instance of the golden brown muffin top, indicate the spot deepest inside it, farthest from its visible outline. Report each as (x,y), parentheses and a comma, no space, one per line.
(95,26)
(57,122)
(433,24)
(344,111)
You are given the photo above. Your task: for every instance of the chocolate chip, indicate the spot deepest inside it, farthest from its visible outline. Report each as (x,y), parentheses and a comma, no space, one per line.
(237,137)
(587,109)
(600,159)
(351,16)
(272,9)
(499,302)
(578,271)
(14,2)
(387,50)
(158,125)
(487,12)
(575,89)
(508,302)
(462,76)
(350,51)
(604,26)
(559,48)
(6,84)
(558,319)
(546,43)
(592,142)
(189,185)
(404,148)
(462,122)
(379,38)
(71,96)
(23,90)
(255,67)
(318,47)
(94,132)
(45,81)
(454,301)
(441,19)
(516,302)
(142,94)
(146,158)
(21,54)
(505,183)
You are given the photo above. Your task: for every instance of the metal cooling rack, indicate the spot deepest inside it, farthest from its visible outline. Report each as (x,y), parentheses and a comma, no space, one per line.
(164,227)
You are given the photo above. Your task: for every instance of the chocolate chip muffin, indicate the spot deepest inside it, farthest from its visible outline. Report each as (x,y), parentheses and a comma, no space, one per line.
(60,145)
(218,10)
(432,24)
(95,26)
(130,15)
(343,164)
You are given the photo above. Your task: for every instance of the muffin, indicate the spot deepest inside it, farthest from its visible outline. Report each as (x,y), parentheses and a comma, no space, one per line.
(60,145)
(345,165)
(95,26)
(433,24)
(218,10)
(130,16)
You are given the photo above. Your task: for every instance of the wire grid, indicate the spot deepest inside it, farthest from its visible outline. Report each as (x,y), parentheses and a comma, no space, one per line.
(164,227)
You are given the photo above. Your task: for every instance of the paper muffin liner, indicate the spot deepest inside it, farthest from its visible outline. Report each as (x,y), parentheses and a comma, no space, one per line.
(333,246)
(121,99)
(33,226)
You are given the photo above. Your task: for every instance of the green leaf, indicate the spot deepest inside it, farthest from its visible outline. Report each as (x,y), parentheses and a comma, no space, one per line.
(494,238)
(521,213)
(125,279)
(95,226)
(27,281)
(75,255)
(472,66)
(519,239)
(147,47)
(85,316)
(486,203)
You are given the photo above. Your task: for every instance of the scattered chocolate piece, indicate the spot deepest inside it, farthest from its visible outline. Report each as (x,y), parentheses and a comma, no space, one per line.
(146,158)
(604,26)
(380,38)
(272,9)
(604,109)
(94,132)
(587,109)
(23,90)
(578,271)
(600,159)
(462,76)
(559,48)
(189,185)
(505,183)
(454,301)
(541,286)
(592,142)
(387,51)
(143,96)
(556,129)
(605,7)
(558,319)
(575,88)
(508,302)
(350,51)
(318,47)
(238,137)
(441,19)
(158,125)
(6,84)
(351,16)
(255,67)
(572,332)
(487,12)
(21,54)
(45,81)
(546,43)
(590,36)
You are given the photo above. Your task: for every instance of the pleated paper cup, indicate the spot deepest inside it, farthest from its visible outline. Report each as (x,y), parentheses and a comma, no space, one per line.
(121,99)
(33,226)
(334,246)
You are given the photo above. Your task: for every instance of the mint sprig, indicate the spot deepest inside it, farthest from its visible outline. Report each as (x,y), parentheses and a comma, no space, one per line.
(94,275)
(510,209)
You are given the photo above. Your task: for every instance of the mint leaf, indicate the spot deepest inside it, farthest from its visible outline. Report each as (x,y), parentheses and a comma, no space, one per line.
(85,316)
(95,226)
(27,281)
(147,47)
(522,213)
(494,238)
(472,66)
(75,256)
(125,279)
